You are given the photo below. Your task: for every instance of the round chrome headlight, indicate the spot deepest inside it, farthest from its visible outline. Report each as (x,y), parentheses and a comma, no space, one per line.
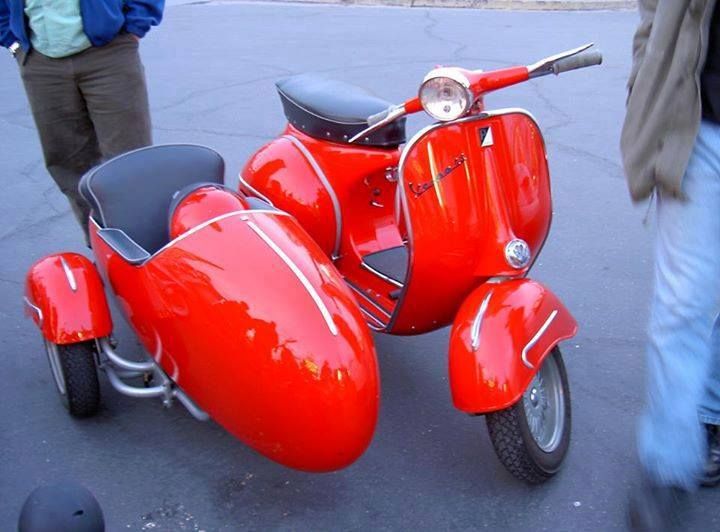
(517,253)
(445,94)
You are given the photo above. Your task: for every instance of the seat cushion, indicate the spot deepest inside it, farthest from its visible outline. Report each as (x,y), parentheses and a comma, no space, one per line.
(133,191)
(336,111)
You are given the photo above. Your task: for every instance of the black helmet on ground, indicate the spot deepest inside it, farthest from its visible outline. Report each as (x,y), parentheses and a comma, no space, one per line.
(61,507)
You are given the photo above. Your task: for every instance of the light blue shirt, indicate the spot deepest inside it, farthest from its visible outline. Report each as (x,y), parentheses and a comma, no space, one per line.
(56,27)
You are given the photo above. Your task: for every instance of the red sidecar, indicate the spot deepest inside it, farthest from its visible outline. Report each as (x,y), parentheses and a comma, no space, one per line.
(243,314)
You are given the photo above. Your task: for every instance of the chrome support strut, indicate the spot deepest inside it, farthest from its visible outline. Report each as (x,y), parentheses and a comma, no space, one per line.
(118,368)
(107,350)
(132,391)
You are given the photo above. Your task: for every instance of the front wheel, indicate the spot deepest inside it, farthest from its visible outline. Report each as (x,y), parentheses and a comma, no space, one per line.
(74,371)
(531,438)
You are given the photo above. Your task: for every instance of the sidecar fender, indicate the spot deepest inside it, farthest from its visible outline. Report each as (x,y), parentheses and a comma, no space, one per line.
(499,339)
(65,298)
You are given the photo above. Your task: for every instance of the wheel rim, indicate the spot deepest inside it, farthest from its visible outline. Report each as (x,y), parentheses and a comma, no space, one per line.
(544,405)
(54,358)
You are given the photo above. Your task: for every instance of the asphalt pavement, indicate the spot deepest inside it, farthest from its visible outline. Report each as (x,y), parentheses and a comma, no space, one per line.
(211,68)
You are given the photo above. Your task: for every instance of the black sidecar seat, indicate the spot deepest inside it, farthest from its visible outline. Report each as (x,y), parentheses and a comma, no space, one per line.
(332,110)
(131,193)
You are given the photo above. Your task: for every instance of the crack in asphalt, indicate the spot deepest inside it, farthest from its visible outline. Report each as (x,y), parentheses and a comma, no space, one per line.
(23,228)
(616,169)
(202,92)
(429,31)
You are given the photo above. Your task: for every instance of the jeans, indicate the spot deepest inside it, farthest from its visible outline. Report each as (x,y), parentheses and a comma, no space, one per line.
(683,350)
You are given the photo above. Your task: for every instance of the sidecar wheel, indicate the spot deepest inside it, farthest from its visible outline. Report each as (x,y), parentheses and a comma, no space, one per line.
(74,371)
(532,437)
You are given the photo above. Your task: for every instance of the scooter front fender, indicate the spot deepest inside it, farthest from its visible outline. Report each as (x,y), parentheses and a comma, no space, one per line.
(499,339)
(65,298)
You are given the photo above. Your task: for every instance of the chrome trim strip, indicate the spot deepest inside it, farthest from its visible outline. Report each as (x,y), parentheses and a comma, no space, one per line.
(535,339)
(36,309)
(107,350)
(252,189)
(369,315)
(211,221)
(328,187)
(477,323)
(367,298)
(69,274)
(300,275)
(382,276)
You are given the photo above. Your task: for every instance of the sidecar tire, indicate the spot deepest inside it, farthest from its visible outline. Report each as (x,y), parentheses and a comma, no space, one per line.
(74,371)
(513,440)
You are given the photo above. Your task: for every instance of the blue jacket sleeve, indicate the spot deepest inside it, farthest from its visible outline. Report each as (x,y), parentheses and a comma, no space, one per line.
(141,15)
(6,36)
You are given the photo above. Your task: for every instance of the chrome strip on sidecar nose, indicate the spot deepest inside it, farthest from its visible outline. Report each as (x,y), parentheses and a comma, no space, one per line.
(299,274)
(211,221)
(535,339)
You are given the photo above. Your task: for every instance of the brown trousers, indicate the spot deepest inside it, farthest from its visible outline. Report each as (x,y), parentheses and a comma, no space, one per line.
(88,108)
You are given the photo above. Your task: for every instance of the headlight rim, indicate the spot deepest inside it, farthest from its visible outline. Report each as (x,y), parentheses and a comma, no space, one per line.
(455,76)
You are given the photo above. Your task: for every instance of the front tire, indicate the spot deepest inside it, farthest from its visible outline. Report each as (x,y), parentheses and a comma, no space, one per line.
(531,438)
(74,371)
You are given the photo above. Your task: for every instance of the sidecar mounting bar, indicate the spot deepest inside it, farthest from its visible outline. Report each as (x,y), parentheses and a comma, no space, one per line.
(167,390)
(132,391)
(107,350)
(191,407)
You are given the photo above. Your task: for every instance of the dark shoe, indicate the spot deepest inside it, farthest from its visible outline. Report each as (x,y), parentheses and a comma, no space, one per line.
(711,473)
(655,508)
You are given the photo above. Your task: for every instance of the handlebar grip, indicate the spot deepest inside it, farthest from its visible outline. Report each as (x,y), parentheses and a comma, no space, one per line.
(583,60)
(379,117)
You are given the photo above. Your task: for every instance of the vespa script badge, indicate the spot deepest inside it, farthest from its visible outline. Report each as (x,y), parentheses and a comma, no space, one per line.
(420,189)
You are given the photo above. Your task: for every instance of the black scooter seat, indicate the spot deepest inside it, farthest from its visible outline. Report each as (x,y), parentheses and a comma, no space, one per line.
(336,111)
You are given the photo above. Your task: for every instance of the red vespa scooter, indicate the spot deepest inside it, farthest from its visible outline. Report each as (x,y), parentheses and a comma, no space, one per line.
(442,230)
(244,318)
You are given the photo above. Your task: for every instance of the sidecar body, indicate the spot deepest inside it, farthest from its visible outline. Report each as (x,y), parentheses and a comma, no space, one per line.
(235,304)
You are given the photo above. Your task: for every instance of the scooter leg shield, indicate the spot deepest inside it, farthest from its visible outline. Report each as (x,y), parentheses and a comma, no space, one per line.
(499,339)
(65,298)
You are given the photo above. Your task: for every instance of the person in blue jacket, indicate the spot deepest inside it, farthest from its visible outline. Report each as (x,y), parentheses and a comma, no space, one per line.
(82,73)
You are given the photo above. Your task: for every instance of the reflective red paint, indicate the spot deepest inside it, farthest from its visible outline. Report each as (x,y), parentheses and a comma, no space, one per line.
(458,195)
(66,300)
(496,326)
(473,200)
(235,327)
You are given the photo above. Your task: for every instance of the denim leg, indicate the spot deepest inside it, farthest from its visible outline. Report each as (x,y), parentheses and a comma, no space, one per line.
(685,305)
(710,403)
